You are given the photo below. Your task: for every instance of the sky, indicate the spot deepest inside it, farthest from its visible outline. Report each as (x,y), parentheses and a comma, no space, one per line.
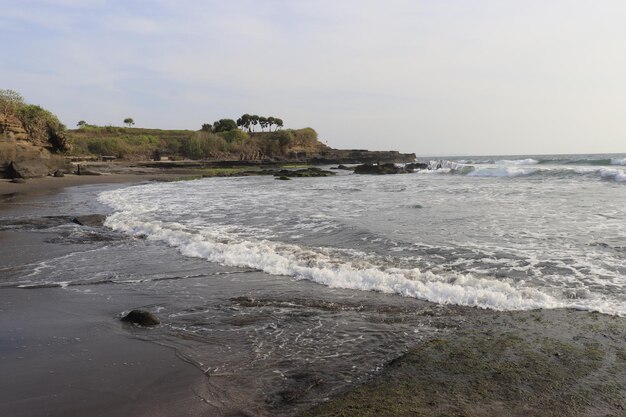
(446,77)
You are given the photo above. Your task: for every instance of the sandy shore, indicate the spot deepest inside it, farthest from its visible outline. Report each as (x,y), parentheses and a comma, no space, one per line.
(63,355)
(48,185)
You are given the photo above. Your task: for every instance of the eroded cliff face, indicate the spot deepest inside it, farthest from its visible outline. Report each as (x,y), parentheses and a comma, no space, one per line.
(18,145)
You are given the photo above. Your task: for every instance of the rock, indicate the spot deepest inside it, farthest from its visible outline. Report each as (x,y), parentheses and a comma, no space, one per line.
(141,317)
(85,171)
(33,168)
(58,173)
(18,180)
(380,169)
(359,156)
(306,172)
(416,165)
(90,220)
(283,178)
(343,167)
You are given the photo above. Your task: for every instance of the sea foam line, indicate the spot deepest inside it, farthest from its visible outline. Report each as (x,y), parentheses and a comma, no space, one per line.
(302,263)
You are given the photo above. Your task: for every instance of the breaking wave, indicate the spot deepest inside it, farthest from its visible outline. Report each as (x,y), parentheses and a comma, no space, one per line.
(511,171)
(332,267)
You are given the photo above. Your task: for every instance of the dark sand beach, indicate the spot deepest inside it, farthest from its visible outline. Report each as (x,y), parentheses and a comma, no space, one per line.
(64,352)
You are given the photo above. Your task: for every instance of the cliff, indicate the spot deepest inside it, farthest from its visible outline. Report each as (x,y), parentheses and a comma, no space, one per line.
(19,145)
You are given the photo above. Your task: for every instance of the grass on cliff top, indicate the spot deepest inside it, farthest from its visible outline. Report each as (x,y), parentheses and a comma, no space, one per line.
(138,143)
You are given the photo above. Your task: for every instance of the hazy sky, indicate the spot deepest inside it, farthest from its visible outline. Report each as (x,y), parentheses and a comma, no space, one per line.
(432,77)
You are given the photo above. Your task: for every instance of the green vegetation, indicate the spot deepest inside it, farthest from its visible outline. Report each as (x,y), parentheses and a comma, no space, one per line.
(129,122)
(224,125)
(41,125)
(137,143)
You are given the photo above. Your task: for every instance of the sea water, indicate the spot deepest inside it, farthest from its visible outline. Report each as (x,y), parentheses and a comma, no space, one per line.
(503,233)
(285,293)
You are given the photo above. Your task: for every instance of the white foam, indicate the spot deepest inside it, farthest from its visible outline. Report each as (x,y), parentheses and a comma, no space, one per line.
(500,171)
(527,161)
(616,161)
(303,263)
(614,174)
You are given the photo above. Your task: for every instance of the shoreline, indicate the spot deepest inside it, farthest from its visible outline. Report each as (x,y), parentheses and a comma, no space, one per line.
(49,185)
(71,355)
(571,363)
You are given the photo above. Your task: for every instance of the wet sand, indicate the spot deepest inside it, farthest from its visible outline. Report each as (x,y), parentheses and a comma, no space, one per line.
(63,355)
(68,355)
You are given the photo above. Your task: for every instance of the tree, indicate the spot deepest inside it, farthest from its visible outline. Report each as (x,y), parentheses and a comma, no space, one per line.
(278,123)
(244,122)
(270,122)
(81,123)
(129,122)
(254,120)
(10,100)
(224,125)
(207,127)
(263,122)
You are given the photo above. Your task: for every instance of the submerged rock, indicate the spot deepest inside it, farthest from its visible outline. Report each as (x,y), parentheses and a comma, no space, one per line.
(283,178)
(90,220)
(141,317)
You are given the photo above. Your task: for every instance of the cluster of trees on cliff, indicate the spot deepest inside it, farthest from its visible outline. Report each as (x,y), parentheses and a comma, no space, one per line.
(246,122)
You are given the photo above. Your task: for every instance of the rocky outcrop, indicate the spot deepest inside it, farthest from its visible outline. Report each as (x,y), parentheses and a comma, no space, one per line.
(24,155)
(302,173)
(12,129)
(361,156)
(33,168)
(416,165)
(379,169)
(382,169)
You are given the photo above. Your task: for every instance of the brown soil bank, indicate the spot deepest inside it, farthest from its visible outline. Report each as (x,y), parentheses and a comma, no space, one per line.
(539,363)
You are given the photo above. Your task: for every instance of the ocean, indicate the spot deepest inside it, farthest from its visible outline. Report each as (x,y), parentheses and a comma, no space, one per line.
(285,293)
(504,233)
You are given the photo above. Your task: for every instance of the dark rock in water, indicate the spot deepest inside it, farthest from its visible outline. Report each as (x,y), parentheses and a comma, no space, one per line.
(416,165)
(90,220)
(141,317)
(27,169)
(59,174)
(306,172)
(380,169)
(18,180)
(283,178)
(342,167)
